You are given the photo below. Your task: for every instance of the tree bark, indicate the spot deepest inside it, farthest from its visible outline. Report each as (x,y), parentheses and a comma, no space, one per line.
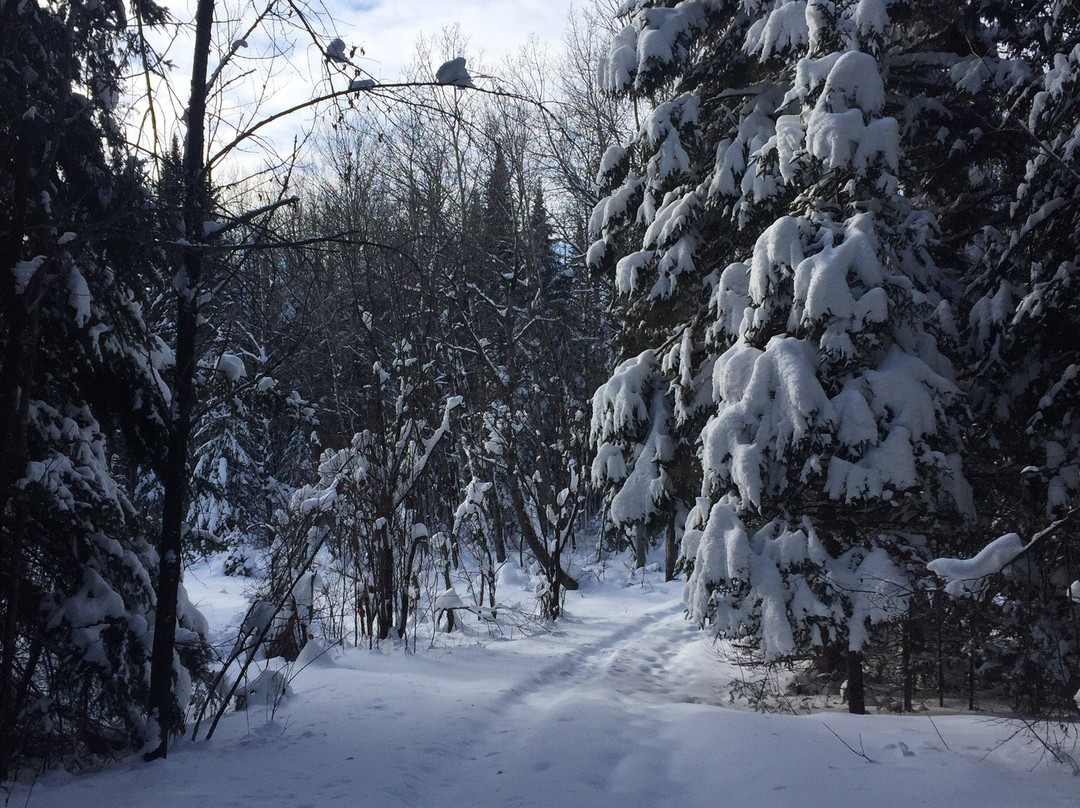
(671,551)
(384,580)
(856,690)
(163,707)
(499,533)
(403,615)
(641,545)
(535,544)
(907,673)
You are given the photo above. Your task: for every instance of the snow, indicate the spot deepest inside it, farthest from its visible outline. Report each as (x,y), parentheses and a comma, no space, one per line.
(454,73)
(769,398)
(619,404)
(840,129)
(853,82)
(871,16)
(89,612)
(79,296)
(628,270)
(232,366)
(656,37)
(782,29)
(789,143)
(730,298)
(24,271)
(646,484)
(335,51)
(615,71)
(737,158)
(627,704)
(975,72)
(968,576)
(448,599)
(614,208)
(672,219)
(663,131)
(810,73)
(614,157)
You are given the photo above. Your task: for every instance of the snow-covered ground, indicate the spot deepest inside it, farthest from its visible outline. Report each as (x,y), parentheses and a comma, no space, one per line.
(623,705)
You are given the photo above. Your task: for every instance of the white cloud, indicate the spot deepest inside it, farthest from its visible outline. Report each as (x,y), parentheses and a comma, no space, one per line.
(388,30)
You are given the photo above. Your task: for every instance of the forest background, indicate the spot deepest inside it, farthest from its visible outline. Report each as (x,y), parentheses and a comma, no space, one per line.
(785,288)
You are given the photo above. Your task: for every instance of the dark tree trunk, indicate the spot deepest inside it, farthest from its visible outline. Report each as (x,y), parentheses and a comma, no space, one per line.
(536,545)
(17,374)
(500,535)
(551,602)
(671,551)
(163,707)
(907,673)
(384,581)
(856,690)
(940,655)
(9,704)
(971,678)
(403,616)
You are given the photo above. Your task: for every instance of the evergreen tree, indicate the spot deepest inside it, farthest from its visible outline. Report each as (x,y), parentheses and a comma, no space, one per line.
(81,395)
(779,262)
(1022,327)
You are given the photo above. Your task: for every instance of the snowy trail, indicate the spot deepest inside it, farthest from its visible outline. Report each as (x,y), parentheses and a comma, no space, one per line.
(589,661)
(621,707)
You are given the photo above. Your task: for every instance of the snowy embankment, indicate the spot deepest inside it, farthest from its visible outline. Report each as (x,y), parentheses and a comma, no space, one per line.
(622,706)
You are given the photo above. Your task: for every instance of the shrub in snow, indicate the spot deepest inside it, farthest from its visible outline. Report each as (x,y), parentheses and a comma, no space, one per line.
(266,689)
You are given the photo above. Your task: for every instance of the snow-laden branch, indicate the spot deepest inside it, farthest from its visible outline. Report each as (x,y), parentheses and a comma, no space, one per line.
(970,576)
(406,485)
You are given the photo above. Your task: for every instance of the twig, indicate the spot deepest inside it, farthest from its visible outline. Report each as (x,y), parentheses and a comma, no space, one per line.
(860,752)
(1055,750)
(938,732)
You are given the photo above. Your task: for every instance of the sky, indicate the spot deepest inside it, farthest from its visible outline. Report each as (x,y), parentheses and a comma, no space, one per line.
(388,29)
(385,33)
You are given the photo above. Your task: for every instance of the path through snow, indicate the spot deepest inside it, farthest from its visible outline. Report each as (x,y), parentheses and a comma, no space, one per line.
(621,707)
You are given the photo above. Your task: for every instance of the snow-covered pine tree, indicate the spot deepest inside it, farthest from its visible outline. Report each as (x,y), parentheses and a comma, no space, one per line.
(649,235)
(785,307)
(1022,337)
(81,398)
(250,449)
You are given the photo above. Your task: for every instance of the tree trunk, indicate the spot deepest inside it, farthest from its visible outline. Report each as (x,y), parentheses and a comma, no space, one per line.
(384,581)
(499,533)
(641,545)
(10,704)
(856,690)
(971,678)
(403,616)
(907,674)
(162,705)
(671,551)
(536,545)
(940,655)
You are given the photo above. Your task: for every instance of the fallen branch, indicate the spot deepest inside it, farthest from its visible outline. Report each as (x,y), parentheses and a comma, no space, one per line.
(860,752)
